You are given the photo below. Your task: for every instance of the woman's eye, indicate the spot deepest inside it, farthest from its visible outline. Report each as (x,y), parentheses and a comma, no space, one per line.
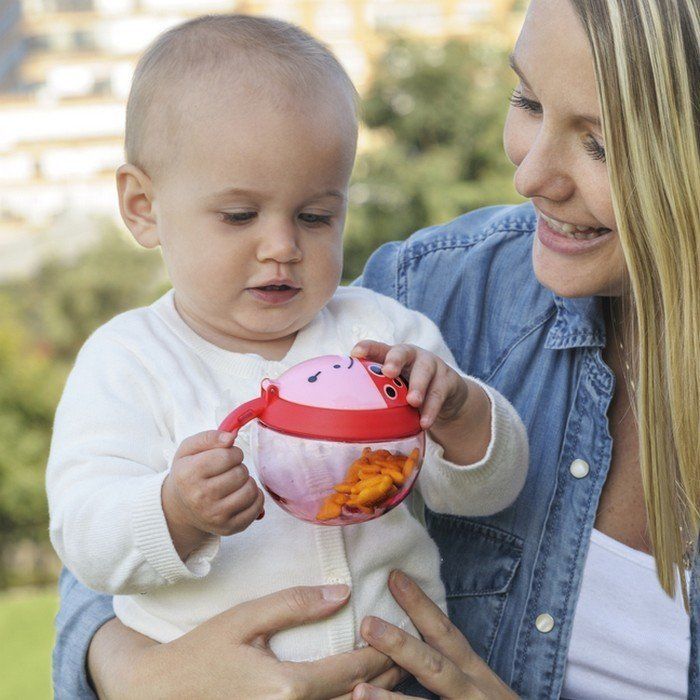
(315,219)
(238,217)
(595,149)
(521,102)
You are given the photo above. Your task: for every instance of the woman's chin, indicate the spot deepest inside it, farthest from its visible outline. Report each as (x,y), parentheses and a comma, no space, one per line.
(601,275)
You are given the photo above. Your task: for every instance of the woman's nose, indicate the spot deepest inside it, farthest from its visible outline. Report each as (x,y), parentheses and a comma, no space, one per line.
(544,171)
(280,244)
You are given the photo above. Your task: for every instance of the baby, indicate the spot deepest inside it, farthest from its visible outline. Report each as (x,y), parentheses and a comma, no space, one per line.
(240,140)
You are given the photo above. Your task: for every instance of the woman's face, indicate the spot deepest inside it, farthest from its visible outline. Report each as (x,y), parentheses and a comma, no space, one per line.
(554,137)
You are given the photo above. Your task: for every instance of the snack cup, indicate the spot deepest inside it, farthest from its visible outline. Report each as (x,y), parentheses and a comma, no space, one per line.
(336,441)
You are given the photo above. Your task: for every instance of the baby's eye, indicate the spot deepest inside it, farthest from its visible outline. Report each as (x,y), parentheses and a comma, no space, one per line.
(238,217)
(315,219)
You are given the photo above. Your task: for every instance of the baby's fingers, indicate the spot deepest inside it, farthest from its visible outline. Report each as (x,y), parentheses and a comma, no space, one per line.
(221,486)
(371,350)
(422,373)
(398,357)
(242,508)
(201,442)
(435,397)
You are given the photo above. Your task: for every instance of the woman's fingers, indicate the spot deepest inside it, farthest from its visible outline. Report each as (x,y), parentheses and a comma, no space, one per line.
(444,639)
(337,675)
(365,691)
(387,680)
(257,620)
(433,670)
(434,626)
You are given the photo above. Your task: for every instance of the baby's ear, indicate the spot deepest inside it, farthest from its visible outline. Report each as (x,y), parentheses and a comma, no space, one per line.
(136,204)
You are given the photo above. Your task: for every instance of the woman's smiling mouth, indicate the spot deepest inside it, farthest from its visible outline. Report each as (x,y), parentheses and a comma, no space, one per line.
(568,238)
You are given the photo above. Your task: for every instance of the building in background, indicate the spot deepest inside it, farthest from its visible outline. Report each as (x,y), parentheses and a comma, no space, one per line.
(65,70)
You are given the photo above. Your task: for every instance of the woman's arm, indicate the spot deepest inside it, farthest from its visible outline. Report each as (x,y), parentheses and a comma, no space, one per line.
(228,656)
(225,656)
(82,613)
(444,662)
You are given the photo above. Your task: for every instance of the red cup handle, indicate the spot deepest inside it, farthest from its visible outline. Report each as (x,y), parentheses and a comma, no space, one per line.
(245,413)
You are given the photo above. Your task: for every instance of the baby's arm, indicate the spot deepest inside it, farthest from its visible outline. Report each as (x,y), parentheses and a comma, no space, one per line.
(109,457)
(477,451)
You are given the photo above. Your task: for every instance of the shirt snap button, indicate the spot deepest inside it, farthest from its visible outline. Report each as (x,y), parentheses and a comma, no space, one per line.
(579,468)
(544,623)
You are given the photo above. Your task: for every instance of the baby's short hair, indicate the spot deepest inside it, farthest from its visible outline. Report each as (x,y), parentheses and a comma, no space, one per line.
(278,50)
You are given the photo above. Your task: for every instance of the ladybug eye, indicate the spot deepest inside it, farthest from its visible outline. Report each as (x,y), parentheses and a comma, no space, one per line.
(398,382)
(390,391)
(376,369)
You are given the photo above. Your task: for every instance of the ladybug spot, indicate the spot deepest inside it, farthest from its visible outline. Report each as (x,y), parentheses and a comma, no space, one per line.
(376,369)
(390,391)
(398,382)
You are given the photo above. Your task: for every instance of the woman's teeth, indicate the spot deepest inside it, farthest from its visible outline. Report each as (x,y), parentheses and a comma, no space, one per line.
(581,233)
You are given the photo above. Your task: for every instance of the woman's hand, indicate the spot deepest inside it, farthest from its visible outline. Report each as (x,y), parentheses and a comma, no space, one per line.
(444,662)
(228,656)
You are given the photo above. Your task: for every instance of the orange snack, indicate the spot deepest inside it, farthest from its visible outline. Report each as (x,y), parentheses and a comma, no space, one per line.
(370,480)
(371,495)
(329,510)
(364,483)
(410,464)
(369,471)
(353,472)
(396,476)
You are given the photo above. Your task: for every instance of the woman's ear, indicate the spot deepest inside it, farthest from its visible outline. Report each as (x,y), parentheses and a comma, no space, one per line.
(136,204)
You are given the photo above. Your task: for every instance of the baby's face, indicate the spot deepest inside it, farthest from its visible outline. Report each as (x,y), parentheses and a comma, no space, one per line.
(251,213)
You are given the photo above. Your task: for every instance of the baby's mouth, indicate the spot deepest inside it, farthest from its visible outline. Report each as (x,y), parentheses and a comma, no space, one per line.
(275,288)
(274,293)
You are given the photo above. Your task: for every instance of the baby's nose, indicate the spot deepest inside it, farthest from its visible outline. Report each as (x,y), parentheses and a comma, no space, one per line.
(280,245)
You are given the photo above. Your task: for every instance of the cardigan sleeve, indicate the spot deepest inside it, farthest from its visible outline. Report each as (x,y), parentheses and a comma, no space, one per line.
(493,483)
(107,463)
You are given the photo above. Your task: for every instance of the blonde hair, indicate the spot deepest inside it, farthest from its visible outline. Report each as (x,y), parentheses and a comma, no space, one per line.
(647,62)
(201,51)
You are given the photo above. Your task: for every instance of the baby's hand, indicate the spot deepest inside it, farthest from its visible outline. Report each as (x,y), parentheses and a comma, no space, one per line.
(433,386)
(209,490)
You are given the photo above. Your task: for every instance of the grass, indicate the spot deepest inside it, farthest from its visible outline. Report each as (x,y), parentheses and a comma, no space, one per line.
(26,639)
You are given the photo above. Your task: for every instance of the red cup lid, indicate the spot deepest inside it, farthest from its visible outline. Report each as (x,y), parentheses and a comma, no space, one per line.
(335,398)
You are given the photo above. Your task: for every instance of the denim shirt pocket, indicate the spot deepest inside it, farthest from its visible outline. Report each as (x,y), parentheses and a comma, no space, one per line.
(478,565)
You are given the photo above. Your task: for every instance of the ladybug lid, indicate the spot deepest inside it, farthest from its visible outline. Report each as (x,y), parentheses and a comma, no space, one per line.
(334,397)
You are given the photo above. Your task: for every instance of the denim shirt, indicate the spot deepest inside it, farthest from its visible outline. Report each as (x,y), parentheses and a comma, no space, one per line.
(474,278)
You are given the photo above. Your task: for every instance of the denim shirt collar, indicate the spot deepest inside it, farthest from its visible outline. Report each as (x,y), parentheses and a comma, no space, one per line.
(579,323)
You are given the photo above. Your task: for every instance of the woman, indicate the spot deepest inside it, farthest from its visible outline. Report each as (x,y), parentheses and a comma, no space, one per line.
(583,308)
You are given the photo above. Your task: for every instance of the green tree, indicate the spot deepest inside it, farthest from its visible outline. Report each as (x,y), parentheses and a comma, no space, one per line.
(434,116)
(44,321)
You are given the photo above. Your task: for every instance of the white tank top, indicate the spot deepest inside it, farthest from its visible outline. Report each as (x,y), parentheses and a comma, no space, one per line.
(629,639)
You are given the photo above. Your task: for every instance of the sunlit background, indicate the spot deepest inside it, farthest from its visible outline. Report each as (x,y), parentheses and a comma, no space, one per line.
(435,84)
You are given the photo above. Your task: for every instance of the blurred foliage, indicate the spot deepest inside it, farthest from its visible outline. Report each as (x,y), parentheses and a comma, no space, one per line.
(44,321)
(434,115)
